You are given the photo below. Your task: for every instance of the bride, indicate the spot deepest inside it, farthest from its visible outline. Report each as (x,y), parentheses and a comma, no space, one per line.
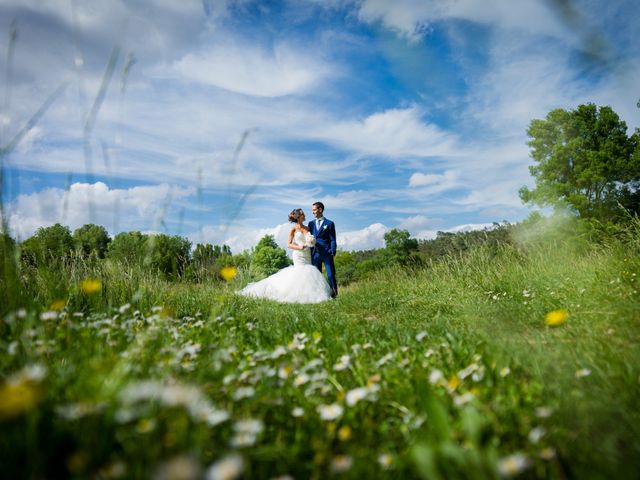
(300,283)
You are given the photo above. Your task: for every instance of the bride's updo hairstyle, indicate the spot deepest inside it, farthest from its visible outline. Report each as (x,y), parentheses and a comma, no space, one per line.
(295,214)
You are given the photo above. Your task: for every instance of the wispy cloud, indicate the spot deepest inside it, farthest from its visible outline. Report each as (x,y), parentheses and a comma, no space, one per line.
(252,70)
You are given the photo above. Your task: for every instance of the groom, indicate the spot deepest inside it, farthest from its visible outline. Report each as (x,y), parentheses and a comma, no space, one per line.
(325,249)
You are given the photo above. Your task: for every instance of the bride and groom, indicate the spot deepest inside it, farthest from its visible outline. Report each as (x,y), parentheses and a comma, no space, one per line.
(313,245)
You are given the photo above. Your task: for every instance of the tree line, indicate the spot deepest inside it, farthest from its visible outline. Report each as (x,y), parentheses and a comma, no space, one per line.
(170,256)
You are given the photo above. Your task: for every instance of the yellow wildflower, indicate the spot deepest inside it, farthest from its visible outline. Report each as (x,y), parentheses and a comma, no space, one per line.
(18,396)
(453,382)
(90,285)
(58,305)
(228,273)
(344,433)
(556,317)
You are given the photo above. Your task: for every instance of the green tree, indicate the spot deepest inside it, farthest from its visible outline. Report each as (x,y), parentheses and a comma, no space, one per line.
(346,264)
(400,246)
(206,261)
(168,254)
(91,239)
(128,248)
(49,246)
(268,257)
(10,286)
(207,254)
(585,161)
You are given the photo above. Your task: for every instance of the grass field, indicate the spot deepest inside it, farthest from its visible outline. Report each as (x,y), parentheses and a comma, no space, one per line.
(447,371)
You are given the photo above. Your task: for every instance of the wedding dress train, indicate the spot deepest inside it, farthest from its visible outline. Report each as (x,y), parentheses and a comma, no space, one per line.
(299,283)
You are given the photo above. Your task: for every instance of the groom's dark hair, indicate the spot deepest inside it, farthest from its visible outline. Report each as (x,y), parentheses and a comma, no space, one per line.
(319,205)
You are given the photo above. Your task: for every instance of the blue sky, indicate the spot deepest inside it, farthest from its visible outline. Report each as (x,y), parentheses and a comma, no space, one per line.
(220,117)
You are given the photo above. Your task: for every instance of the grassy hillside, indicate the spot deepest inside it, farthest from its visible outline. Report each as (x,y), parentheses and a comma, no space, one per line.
(446,371)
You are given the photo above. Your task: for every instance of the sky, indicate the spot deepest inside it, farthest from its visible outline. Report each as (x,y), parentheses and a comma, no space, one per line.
(213,119)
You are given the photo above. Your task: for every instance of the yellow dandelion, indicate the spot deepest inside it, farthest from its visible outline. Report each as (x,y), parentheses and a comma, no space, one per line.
(58,305)
(90,285)
(18,397)
(453,382)
(228,273)
(344,433)
(556,317)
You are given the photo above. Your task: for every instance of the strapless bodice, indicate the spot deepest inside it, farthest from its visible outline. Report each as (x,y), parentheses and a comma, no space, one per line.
(300,257)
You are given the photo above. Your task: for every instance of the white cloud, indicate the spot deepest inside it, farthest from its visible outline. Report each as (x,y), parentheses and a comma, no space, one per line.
(437,182)
(411,18)
(253,70)
(415,223)
(364,239)
(394,132)
(134,208)
(240,237)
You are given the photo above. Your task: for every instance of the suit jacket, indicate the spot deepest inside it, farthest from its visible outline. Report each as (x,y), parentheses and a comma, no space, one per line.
(325,237)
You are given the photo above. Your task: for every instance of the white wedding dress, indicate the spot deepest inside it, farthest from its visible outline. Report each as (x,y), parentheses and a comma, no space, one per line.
(299,283)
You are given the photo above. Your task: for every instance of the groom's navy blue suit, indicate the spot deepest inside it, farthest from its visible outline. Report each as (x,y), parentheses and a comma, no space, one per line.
(325,249)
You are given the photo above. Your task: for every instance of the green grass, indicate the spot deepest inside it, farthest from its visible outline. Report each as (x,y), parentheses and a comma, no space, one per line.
(460,374)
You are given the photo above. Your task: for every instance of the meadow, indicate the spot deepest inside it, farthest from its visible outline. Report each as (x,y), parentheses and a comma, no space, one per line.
(519,359)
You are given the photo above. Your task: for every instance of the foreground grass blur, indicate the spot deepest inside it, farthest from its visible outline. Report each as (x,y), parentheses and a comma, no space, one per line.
(515,360)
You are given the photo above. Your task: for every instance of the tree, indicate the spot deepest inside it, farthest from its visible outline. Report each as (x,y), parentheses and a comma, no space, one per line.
(400,246)
(49,246)
(206,261)
(167,253)
(10,284)
(585,161)
(91,239)
(268,257)
(128,248)
(164,253)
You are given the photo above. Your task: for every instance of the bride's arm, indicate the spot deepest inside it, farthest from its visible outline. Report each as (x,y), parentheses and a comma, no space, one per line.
(291,245)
